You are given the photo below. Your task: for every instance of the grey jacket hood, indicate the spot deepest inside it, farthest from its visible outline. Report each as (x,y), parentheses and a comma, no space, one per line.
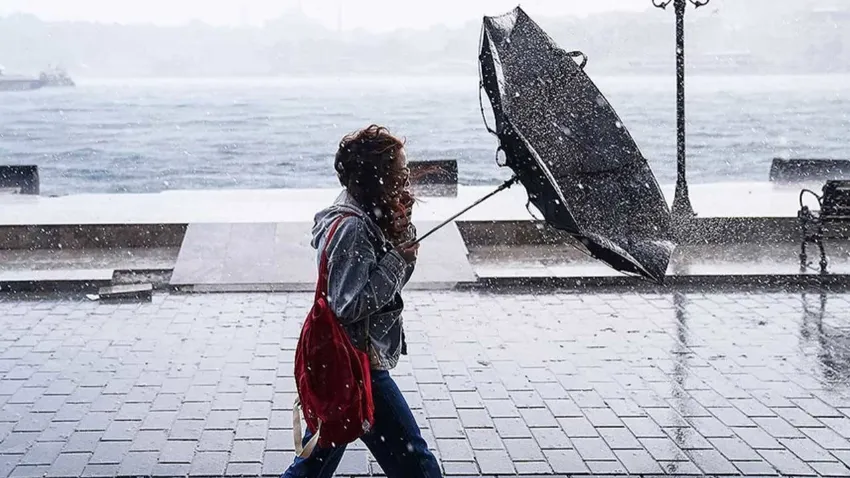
(324,219)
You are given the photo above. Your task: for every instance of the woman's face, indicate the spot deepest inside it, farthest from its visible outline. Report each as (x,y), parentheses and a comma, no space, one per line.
(399,183)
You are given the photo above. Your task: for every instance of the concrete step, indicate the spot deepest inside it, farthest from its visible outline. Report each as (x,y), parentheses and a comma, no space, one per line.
(127,258)
(54,280)
(728,264)
(238,257)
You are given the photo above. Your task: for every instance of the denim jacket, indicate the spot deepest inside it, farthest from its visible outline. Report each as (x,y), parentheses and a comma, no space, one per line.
(365,279)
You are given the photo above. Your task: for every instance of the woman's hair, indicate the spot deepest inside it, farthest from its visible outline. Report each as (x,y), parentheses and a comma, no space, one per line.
(368,164)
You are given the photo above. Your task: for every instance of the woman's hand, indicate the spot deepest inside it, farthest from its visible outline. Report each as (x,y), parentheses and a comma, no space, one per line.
(400,220)
(399,228)
(409,251)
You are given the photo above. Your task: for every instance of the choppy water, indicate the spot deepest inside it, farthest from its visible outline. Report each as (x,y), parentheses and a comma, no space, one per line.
(152,135)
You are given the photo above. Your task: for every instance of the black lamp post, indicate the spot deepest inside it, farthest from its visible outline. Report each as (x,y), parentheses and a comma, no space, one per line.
(682,208)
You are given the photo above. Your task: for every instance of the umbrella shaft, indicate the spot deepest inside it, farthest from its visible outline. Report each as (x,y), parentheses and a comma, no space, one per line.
(501,188)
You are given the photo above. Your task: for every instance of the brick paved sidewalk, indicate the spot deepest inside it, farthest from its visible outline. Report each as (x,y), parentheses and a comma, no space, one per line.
(720,384)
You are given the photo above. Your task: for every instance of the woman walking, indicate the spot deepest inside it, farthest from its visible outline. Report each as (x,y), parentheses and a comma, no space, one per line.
(370,259)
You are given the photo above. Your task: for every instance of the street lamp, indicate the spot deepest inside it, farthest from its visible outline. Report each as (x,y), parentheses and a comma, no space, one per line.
(682,208)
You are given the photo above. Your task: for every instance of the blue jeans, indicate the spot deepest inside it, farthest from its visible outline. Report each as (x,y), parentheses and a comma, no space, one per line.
(395,440)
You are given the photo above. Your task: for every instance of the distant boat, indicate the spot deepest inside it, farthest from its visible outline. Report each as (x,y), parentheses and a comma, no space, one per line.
(51,78)
(56,77)
(18,82)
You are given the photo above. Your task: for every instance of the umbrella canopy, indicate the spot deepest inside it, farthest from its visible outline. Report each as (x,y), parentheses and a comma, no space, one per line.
(570,150)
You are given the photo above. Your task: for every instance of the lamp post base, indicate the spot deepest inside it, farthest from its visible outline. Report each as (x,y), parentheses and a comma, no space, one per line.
(681,214)
(682,208)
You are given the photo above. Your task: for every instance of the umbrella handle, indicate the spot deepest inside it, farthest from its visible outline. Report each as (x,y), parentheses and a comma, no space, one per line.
(505,185)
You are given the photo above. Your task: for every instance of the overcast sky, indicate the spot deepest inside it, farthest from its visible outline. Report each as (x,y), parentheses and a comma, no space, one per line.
(373,14)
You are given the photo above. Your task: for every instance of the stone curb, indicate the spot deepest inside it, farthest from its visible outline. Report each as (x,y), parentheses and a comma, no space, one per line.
(756,282)
(762,283)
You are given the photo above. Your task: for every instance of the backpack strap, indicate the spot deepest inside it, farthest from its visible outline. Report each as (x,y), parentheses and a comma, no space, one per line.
(302,450)
(322,285)
(322,282)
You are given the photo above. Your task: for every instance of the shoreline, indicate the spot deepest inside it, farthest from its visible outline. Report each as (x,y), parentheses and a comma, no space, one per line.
(436,77)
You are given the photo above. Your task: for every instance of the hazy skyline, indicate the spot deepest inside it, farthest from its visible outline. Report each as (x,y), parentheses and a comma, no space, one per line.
(763,36)
(377,15)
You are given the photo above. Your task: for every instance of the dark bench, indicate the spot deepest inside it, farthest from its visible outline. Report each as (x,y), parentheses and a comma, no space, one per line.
(830,221)
(23,178)
(434,177)
(797,170)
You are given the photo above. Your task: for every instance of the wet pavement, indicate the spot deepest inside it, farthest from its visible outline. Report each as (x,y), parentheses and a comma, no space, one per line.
(502,383)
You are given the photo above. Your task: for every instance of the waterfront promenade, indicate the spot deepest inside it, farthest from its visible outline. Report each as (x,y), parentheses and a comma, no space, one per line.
(504,384)
(526,359)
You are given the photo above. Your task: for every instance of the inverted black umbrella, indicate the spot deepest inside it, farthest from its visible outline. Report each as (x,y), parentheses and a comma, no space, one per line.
(567,146)
(570,150)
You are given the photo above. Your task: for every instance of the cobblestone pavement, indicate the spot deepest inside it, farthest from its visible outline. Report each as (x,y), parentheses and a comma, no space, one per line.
(503,384)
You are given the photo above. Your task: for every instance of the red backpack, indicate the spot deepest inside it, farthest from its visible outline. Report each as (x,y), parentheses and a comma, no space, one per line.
(332,376)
